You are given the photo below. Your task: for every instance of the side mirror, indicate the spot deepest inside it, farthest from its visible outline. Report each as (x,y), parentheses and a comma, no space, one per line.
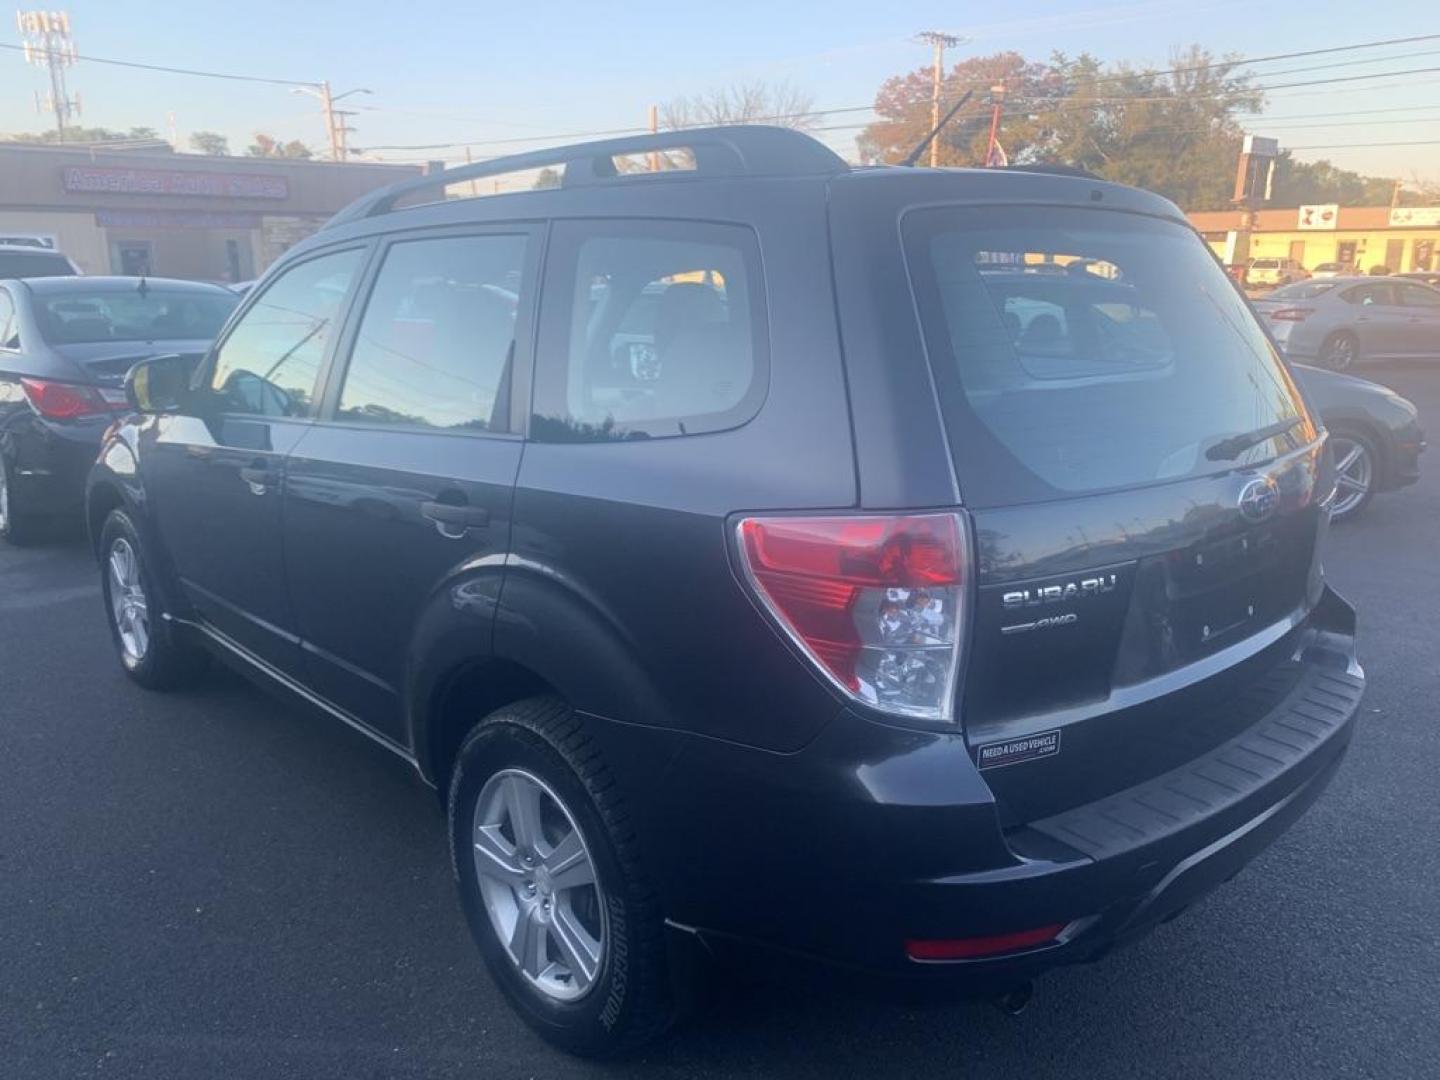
(158,384)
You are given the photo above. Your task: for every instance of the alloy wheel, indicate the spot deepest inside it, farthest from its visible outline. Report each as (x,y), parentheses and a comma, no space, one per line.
(539,886)
(1354,474)
(128,606)
(1340,353)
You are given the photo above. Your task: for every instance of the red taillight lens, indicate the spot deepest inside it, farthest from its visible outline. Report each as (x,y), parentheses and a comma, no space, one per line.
(1291,314)
(877,603)
(973,948)
(65,401)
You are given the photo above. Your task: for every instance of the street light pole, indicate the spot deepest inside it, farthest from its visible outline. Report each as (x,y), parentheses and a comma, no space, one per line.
(938,42)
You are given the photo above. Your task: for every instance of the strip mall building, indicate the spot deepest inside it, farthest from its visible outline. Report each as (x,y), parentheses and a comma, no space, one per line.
(174,215)
(1399,238)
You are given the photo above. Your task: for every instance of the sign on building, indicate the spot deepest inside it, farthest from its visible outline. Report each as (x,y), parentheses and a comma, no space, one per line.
(1415,217)
(111,180)
(1319,216)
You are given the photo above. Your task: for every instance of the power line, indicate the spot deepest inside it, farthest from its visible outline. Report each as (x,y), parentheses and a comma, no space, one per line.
(179,71)
(1365,145)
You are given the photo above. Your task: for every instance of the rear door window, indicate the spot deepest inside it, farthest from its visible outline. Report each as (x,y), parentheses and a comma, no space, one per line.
(1369,294)
(655,329)
(1415,296)
(1080,350)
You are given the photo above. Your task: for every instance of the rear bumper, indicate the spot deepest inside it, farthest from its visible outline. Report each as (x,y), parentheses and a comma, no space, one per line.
(839,854)
(50,461)
(1404,464)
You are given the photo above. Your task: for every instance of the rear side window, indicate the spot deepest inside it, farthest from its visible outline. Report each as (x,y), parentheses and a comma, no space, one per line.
(9,332)
(650,329)
(1080,350)
(1302,290)
(269,363)
(436,342)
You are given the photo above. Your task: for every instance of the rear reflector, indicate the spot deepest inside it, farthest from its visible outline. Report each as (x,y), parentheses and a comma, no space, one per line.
(66,401)
(972,948)
(876,603)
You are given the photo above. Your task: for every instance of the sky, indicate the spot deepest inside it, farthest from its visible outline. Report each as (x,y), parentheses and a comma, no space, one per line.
(480,73)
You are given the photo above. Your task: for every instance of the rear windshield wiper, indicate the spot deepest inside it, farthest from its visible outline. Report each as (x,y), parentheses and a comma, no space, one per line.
(1230,448)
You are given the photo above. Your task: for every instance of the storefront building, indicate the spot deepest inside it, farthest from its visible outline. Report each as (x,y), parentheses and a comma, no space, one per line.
(1398,238)
(174,215)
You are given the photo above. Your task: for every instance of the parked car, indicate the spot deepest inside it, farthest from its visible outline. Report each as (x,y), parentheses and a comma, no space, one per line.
(1332,269)
(1341,322)
(1375,435)
(32,240)
(787,569)
(1274,272)
(28,260)
(1425,277)
(65,346)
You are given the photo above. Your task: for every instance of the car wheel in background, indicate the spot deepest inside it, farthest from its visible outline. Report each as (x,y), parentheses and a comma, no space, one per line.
(150,649)
(550,882)
(1357,466)
(1339,352)
(16,525)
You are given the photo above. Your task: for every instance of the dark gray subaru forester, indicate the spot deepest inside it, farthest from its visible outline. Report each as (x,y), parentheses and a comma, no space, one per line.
(910,572)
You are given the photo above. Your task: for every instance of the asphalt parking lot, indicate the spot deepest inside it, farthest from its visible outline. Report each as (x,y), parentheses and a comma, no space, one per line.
(213,884)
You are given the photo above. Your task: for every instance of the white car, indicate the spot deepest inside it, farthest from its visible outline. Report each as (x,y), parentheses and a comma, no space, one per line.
(1332,269)
(1274,272)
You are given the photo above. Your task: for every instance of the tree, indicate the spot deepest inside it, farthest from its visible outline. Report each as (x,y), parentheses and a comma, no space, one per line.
(90,135)
(546,178)
(267,146)
(210,142)
(1175,132)
(903,104)
(779,104)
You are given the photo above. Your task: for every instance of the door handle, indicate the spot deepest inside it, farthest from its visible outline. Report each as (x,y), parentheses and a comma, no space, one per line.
(452,521)
(258,477)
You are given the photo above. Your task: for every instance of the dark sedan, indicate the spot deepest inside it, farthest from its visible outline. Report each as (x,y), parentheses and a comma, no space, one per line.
(65,346)
(1374,434)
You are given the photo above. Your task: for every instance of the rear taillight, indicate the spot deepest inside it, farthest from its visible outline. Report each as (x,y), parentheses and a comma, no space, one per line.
(1290,314)
(67,401)
(876,603)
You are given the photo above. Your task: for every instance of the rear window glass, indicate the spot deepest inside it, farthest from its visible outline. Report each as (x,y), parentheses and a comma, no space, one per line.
(84,317)
(657,331)
(1302,290)
(23,264)
(1083,350)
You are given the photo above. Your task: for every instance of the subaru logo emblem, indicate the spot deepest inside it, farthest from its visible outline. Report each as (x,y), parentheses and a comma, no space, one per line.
(1258,499)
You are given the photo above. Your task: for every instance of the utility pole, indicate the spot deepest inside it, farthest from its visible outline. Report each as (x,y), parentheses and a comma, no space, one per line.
(1395,194)
(337,131)
(47,44)
(938,41)
(328,104)
(654,129)
(997,99)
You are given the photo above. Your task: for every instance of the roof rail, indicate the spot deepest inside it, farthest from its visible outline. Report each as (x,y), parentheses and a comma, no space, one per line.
(732,150)
(1055,170)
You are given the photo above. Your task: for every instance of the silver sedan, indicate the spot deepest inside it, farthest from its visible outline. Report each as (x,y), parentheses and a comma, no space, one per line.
(1342,321)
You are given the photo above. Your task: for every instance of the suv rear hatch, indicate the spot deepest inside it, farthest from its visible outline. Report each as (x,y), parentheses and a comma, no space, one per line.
(1145,487)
